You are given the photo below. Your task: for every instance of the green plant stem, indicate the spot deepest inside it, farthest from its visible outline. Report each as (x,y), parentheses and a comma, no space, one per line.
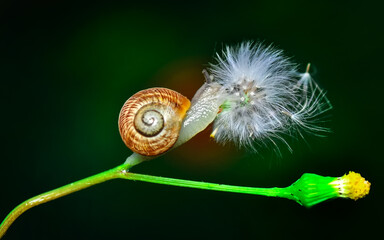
(57,193)
(269,192)
(122,172)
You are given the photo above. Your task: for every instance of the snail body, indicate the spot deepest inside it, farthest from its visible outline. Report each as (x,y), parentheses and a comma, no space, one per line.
(150,120)
(204,109)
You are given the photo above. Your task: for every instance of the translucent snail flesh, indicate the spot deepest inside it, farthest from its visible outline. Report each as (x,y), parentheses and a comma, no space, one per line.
(150,120)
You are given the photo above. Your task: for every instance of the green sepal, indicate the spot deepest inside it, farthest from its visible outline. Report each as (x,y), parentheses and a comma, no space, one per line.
(312,189)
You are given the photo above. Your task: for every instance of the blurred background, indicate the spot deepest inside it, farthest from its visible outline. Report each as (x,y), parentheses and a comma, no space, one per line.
(67,68)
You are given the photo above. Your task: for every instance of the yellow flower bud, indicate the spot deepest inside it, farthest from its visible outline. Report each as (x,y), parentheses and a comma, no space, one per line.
(352,185)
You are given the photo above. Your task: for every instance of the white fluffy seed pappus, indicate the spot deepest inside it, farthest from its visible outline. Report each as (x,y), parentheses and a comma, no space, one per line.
(265,97)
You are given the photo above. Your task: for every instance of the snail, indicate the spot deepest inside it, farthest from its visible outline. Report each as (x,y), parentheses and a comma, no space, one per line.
(150,120)
(155,120)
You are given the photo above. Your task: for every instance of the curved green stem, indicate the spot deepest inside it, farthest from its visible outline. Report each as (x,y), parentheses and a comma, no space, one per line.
(122,172)
(309,190)
(57,193)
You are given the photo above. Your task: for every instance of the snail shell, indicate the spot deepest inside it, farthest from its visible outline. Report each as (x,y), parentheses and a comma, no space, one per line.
(150,120)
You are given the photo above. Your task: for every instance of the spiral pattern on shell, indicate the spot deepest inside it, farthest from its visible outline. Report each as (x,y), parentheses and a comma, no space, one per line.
(150,120)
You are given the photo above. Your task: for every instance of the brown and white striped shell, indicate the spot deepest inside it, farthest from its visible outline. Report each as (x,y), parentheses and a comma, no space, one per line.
(150,120)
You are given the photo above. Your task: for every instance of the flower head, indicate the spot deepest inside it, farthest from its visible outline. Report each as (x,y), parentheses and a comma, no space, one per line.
(265,96)
(312,189)
(352,185)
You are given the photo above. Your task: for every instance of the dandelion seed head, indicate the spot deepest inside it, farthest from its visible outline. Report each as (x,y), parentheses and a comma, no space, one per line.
(265,96)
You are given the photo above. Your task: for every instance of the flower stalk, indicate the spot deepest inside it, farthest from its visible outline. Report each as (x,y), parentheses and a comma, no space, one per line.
(309,190)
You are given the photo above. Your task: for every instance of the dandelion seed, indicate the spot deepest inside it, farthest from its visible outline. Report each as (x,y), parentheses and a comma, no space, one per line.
(213,133)
(306,81)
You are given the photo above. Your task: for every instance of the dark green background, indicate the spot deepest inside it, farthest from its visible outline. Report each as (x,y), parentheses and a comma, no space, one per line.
(67,68)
